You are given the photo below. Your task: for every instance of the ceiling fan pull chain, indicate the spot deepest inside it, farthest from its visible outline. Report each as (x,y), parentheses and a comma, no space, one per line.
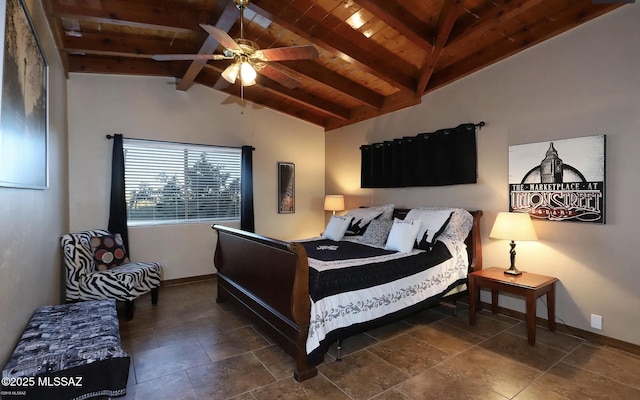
(243,101)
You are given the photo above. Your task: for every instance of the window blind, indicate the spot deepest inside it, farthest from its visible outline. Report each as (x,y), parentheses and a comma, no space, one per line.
(169,182)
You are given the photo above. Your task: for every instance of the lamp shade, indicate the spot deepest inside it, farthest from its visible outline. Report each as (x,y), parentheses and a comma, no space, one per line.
(513,226)
(334,202)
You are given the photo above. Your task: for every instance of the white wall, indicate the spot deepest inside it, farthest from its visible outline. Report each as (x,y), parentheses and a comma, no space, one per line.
(151,108)
(32,221)
(584,82)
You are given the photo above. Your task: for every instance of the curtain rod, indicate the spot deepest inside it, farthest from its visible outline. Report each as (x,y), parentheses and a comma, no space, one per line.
(166,141)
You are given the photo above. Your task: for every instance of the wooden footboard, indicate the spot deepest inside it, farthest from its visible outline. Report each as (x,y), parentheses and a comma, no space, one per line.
(270,279)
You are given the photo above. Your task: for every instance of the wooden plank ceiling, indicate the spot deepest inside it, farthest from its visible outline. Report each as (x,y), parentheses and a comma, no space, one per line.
(375,56)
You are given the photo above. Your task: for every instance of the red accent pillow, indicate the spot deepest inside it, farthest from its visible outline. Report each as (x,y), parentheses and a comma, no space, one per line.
(108,251)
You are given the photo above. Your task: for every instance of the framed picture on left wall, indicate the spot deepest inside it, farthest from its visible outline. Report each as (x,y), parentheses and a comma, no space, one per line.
(24,101)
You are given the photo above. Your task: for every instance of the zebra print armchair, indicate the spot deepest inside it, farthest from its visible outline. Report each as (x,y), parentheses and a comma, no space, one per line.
(84,281)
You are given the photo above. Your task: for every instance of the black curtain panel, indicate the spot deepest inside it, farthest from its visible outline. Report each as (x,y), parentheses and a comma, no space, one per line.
(377,165)
(118,206)
(387,164)
(409,156)
(466,157)
(443,157)
(396,163)
(366,172)
(247,222)
(426,150)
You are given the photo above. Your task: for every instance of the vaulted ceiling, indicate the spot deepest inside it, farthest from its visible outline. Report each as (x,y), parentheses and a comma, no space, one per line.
(374,56)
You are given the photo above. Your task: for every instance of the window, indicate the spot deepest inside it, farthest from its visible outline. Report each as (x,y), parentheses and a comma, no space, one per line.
(175,182)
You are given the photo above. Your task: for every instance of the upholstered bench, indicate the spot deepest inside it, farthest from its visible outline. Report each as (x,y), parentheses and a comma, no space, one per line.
(70,351)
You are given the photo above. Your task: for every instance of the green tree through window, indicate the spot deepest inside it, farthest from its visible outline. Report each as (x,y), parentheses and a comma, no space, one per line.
(174,182)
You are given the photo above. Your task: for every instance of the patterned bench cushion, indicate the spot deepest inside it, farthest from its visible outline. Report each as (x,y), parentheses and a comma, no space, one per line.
(63,343)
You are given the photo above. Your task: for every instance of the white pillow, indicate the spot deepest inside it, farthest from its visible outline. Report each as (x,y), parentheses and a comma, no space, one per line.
(403,235)
(460,224)
(432,224)
(361,219)
(336,227)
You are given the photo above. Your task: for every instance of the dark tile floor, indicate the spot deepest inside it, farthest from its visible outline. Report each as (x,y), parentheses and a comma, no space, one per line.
(189,347)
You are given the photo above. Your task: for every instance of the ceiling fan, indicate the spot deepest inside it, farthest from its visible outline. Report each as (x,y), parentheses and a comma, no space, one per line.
(248,59)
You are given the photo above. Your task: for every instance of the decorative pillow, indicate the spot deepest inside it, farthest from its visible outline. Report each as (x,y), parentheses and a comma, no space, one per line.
(361,219)
(336,227)
(432,224)
(377,232)
(460,224)
(108,251)
(387,211)
(403,235)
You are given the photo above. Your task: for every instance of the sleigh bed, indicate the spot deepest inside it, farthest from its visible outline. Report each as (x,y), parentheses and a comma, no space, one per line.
(270,279)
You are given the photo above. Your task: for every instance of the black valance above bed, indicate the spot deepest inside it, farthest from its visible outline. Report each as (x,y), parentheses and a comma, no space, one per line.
(443,157)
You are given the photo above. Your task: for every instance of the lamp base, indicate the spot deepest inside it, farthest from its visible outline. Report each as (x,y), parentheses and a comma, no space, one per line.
(512,271)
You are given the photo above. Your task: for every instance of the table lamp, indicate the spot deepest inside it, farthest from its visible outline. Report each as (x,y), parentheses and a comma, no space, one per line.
(334,202)
(513,226)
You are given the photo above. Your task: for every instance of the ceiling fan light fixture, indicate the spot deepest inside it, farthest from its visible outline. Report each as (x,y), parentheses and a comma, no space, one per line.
(230,74)
(247,74)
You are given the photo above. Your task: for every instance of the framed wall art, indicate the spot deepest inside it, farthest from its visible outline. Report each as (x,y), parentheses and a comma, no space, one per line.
(560,180)
(24,102)
(286,188)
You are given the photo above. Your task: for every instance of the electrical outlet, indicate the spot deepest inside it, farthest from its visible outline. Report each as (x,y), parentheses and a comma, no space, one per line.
(596,321)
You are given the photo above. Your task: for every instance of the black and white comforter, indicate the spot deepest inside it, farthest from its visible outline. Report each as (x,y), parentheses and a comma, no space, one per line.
(346,291)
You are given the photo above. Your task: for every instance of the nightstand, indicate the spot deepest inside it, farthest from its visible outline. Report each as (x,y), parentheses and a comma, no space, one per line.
(529,285)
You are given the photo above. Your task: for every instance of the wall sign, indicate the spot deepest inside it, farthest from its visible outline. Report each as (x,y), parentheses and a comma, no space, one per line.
(560,180)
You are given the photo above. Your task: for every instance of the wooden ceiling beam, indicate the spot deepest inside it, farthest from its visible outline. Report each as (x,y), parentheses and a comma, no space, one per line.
(124,66)
(335,81)
(129,13)
(392,103)
(57,31)
(402,20)
(448,16)
(342,41)
(124,46)
(490,15)
(227,15)
(574,15)
(303,98)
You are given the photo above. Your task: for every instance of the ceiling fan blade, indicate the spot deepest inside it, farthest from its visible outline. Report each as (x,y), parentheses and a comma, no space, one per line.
(222,37)
(279,76)
(172,57)
(306,52)
(221,84)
